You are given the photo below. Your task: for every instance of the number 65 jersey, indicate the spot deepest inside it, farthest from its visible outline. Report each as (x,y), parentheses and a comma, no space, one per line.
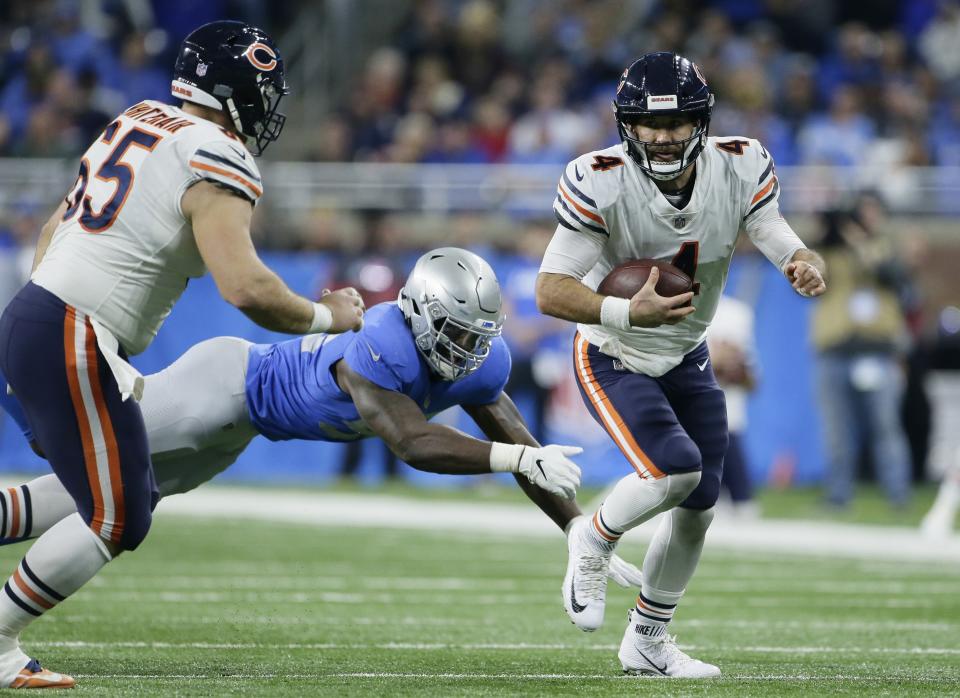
(123,251)
(610,212)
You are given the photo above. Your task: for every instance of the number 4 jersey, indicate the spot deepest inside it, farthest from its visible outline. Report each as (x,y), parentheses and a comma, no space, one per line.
(610,212)
(123,251)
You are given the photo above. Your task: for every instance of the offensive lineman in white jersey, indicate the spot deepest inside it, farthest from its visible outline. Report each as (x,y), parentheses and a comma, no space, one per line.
(666,192)
(163,194)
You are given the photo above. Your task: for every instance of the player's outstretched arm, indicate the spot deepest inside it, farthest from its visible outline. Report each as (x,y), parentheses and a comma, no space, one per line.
(502,421)
(221,227)
(436,448)
(807,273)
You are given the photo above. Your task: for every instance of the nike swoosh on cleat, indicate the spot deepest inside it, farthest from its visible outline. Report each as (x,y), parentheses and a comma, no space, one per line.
(662,670)
(577,608)
(539,462)
(576,172)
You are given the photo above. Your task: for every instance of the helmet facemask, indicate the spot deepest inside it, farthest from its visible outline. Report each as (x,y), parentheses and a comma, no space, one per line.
(458,349)
(260,120)
(642,152)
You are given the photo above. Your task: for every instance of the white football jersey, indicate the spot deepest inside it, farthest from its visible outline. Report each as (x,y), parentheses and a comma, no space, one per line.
(124,252)
(603,195)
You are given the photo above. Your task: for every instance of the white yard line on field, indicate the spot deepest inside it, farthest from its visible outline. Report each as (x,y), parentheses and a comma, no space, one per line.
(483,646)
(475,518)
(227,678)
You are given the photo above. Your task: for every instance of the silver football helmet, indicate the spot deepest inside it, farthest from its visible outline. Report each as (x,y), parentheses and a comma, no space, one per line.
(452,303)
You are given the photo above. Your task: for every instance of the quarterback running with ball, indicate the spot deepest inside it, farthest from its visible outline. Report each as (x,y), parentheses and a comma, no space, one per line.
(667,192)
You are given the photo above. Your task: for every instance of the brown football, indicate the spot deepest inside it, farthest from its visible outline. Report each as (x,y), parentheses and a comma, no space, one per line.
(625,279)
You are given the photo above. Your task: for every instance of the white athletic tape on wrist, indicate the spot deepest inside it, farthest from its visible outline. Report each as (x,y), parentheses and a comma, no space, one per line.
(322,319)
(505,458)
(615,313)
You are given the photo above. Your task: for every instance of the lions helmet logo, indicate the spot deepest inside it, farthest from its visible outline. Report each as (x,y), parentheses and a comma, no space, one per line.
(256,62)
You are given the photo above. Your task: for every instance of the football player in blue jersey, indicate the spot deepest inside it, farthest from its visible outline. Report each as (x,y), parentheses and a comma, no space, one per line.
(437,347)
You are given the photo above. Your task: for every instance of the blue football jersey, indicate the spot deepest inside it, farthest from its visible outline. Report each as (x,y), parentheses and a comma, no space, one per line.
(292,393)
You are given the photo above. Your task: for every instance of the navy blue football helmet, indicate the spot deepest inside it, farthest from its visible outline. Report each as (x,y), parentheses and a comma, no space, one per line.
(237,69)
(663,84)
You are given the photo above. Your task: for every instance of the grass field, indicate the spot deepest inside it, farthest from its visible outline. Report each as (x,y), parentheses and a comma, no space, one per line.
(229,608)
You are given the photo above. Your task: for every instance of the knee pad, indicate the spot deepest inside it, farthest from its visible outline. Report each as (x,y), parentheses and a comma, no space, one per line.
(681,455)
(706,493)
(679,487)
(135,529)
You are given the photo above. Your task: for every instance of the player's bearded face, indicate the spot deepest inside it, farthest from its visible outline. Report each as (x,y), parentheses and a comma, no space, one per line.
(665,134)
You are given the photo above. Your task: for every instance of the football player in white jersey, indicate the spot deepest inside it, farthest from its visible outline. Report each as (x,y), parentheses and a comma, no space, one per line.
(162,195)
(668,192)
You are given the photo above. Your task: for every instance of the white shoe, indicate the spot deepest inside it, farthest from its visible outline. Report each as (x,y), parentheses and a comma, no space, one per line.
(639,655)
(585,584)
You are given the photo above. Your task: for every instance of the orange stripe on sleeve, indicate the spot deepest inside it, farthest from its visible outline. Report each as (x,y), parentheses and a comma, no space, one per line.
(763,192)
(109,437)
(227,173)
(614,425)
(30,593)
(589,214)
(83,422)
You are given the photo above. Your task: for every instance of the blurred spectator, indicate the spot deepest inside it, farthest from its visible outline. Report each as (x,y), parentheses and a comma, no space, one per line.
(732,356)
(859,333)
(549,132)
(938,43)
(134,75)
(842,137)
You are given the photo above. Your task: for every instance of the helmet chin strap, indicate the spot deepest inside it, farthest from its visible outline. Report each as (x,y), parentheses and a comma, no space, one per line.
(234,115)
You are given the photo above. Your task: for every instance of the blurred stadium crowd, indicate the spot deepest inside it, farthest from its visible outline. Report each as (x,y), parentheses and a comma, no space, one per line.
(527,80)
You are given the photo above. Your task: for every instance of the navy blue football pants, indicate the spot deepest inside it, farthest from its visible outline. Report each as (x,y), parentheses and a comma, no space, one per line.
(96,443)
(676,423)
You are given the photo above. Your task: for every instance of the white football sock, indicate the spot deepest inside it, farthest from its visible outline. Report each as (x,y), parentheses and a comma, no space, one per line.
(668,566)
(61,561)
(634,499)
(29,510)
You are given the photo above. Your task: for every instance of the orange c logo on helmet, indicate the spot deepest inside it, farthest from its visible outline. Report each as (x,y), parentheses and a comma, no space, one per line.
(251,55)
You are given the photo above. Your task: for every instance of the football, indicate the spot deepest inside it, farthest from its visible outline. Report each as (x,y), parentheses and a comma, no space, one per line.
(625,279)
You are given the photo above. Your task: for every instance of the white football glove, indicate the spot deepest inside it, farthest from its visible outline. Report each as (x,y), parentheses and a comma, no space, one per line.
(547,467)
(624,573)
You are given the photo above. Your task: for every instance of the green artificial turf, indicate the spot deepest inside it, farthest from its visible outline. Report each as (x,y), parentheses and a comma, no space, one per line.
(248,608)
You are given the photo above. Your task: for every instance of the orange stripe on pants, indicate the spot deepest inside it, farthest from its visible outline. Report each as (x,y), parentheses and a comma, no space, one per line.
(109,437)
(83,422)
(614,424)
